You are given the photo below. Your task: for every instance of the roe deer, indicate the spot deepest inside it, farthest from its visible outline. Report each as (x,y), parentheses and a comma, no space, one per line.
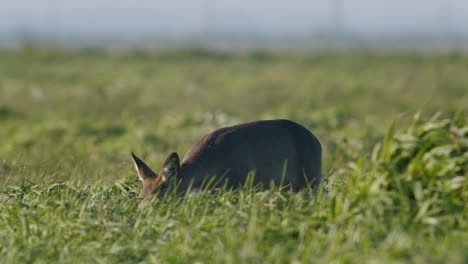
(278,151)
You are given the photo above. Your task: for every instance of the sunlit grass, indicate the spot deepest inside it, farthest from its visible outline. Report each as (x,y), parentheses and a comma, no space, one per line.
(396,185)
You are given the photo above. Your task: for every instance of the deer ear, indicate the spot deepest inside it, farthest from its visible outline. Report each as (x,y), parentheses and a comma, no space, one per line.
(171,167)
(144,172)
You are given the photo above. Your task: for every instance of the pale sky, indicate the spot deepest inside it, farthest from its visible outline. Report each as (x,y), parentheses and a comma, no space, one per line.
(185,17)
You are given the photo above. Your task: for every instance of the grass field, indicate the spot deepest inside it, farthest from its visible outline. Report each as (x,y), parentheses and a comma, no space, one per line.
(395,170)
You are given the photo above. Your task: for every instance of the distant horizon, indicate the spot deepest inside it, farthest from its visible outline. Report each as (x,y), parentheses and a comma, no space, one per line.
(204,21)
(198,17)
(236,43)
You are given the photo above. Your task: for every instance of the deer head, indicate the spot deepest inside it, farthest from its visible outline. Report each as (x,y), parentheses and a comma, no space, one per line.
(153,181)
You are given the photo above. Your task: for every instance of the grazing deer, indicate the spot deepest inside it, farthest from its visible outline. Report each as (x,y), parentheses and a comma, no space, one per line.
(278,151)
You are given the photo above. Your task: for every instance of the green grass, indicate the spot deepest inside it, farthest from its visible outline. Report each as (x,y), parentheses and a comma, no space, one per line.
(397,183)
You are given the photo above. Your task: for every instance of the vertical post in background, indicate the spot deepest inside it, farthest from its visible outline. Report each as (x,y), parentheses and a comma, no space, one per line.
(450,37)
(53,20)
(445,13)
(209,18)
(336,17)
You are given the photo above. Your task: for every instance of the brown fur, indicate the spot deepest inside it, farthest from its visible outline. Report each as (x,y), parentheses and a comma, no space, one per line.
(278,151)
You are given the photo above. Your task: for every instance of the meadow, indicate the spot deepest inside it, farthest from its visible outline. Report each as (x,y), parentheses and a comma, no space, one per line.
(393,127)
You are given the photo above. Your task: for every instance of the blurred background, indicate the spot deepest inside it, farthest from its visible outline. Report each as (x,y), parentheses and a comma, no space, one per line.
(236,24)
(83,83)
(383,84)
